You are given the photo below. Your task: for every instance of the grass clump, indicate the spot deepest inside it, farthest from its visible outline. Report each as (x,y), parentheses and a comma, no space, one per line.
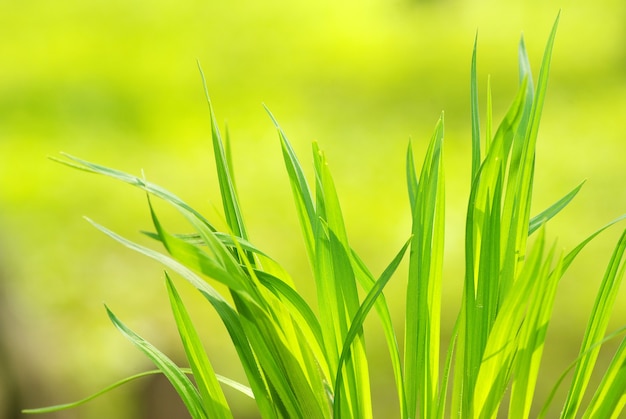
(302,365)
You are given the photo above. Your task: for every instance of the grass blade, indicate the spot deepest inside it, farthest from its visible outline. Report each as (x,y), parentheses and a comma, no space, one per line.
(185,389)
(596,327)
(423,301)
(212,395)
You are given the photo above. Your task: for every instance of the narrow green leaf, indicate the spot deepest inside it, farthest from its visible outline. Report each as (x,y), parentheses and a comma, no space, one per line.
(212,395)
(475,115)
(183,386)
(596,327)
(610,397)
(230,201)
(553,210)
(357,323)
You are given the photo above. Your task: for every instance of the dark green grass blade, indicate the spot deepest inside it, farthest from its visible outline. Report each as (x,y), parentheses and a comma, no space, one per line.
(553,210)
(212,395)
(357,323)
(596,327)
(183,386)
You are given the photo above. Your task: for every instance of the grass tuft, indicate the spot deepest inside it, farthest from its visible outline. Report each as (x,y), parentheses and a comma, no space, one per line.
(302,365)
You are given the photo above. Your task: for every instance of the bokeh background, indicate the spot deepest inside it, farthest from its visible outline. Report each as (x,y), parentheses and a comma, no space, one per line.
(117,83)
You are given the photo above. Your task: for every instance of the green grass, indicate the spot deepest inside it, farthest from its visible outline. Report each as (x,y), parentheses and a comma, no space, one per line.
(302,365)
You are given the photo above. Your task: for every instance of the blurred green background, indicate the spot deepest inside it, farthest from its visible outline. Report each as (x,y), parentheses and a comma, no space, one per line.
(117,83)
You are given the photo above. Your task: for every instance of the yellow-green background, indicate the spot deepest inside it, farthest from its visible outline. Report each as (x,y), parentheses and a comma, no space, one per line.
(116,82)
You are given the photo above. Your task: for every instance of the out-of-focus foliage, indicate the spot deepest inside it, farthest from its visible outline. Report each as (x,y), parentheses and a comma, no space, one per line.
(116,82)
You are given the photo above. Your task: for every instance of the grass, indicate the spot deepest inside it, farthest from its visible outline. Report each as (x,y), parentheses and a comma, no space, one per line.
(299,364)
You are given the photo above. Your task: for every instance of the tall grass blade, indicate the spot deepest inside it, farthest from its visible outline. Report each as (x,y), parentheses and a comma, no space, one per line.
(596,327)
(213,398)
(423,301)
(358,320)
(224,173)
(610,397)
(475,115)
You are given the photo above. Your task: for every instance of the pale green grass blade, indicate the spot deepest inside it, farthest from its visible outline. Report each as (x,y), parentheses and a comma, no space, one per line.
(502,344)
(337,288)
(212,395)
(610,397)
(367,281)
(531,345)
(230,202)
(93,396)
(550,398)
(519,193)
(183,386)
(483,217)
(553,210)
(596,327)
(226,381)
(138,182)
(489,119)
(474,113)
(423,301)
(357,323)
(301,192)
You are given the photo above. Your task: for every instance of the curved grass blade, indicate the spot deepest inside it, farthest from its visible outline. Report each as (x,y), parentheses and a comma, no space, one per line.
(357,323)
(553,210)
(230,201)
(550,398)
(156,190)
(610,397)
(184,387)
(212,395)
(229,317)
(596,327)
(226,381)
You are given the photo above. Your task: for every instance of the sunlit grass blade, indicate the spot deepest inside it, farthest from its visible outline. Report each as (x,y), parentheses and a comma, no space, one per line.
(301,192)
(212,395)
(610,397)
(367,280)
(553,210)
(571,366)
(230,202)
(474,113)
(596,327)
(357,323)
(226,312)
(105,390)
(503,340)
(184,387)
(156,190)
(531,343)
(423,300)
(337,290)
